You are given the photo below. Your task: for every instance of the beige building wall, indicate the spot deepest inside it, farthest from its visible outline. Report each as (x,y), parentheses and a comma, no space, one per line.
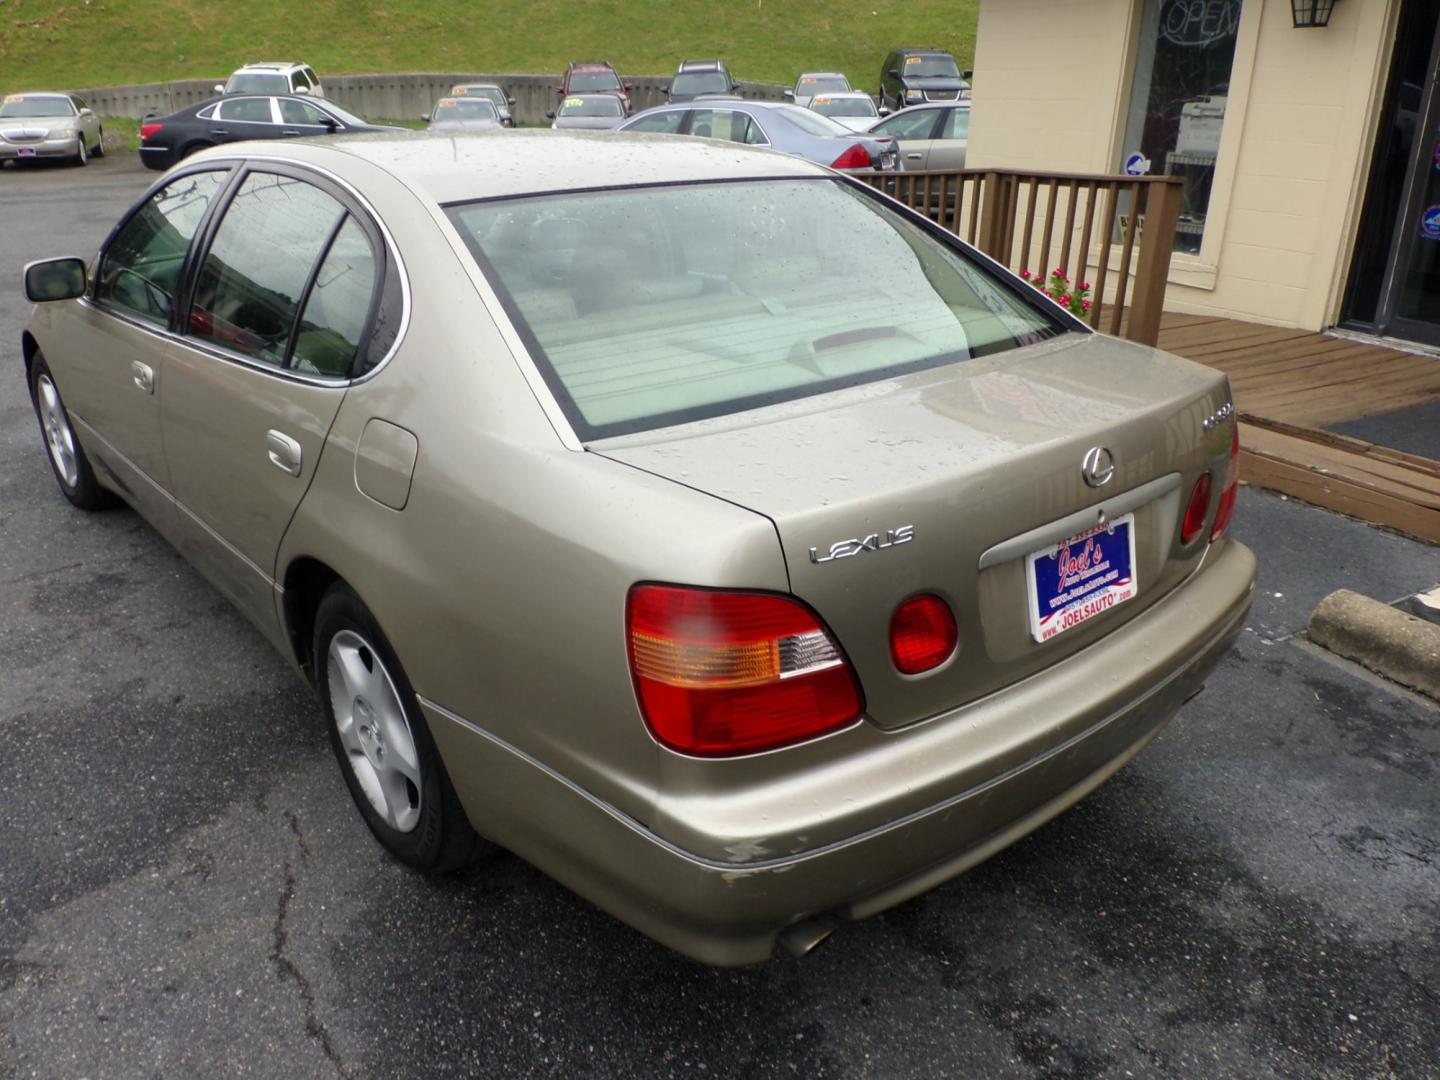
(1052,87)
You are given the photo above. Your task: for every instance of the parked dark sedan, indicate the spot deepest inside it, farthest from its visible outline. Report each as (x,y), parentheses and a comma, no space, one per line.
(165,140)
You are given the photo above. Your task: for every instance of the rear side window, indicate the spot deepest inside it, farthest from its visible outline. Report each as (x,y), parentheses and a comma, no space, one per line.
(254,276)
(246,110)
(725,124)
(957,125)
(666,123)
(646,307)
(336,310)
(140,269)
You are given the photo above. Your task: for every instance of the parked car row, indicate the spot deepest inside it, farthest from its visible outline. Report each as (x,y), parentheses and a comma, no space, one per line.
(49,126)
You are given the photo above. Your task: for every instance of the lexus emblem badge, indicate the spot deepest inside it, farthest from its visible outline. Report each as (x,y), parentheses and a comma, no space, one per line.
(1097,466)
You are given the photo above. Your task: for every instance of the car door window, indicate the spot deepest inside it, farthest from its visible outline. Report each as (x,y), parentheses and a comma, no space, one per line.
(957,124)
(726,124)
(300,112)
(140,269)
(255,273)
(338,306)
(246,111)
(666,123)
(908,125)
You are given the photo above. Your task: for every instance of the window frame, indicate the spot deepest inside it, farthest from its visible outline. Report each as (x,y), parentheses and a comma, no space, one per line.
(218,115)
(190,274)
(392,289)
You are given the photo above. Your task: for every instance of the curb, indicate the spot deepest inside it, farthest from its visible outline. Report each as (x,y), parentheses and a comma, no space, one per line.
(1389,642)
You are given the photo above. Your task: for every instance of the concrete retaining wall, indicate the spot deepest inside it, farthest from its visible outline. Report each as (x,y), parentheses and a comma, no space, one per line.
(389,97)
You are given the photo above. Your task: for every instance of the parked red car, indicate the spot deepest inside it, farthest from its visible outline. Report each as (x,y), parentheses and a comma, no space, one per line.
(594,77)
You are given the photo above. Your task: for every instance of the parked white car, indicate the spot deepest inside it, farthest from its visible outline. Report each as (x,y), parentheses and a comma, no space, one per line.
(855,110)
(811,83)
(273,77)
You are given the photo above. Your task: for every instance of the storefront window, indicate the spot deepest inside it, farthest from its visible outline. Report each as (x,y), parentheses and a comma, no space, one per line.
(1177,102)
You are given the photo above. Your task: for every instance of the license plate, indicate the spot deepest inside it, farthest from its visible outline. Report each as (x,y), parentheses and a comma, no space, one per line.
(27,151)
(1071,582)
(887,161)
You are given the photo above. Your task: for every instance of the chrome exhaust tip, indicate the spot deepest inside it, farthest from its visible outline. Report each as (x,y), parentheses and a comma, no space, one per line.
(800,938)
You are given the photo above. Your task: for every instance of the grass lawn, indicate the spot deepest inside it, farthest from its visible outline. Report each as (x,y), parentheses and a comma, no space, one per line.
(52,45)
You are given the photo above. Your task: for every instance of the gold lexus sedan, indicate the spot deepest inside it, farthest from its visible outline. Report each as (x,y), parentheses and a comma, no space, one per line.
(618,523)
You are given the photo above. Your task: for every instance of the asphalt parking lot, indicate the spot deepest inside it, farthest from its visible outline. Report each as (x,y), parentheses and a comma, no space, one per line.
(185,888)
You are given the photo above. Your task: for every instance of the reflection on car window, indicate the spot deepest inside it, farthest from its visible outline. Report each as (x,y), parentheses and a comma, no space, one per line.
(338,304)
(957,125)
(725,124)
(300,112)
(32,105)
(655,306)
(588,81)
(849,106)
(255,110)
(703,82)
(140,269)
(252,279)
(666,123)
(252,83)
(918,124)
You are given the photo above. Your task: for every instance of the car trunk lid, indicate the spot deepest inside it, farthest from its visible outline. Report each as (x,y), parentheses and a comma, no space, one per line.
(944,481)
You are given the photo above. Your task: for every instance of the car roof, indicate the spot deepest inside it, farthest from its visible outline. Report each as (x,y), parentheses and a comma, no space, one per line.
(591,65)
(270,65)
(41,94)
(821,75)
(701,65)
(845,94)
(924,49)
(447,168)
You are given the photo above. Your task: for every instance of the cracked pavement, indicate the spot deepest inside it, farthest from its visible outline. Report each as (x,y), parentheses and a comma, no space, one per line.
(185,889)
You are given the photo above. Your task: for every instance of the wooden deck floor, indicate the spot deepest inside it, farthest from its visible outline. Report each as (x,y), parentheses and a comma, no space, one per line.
(1290,383)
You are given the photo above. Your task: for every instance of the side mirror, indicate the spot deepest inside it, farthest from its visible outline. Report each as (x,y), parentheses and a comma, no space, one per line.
(511,100)
(55,279)
(884,110)
(967,74)
(330,123)
(894,74)
(219,88)
(302,90)
(549,116)
(560,90)
(790,94)
(627,87)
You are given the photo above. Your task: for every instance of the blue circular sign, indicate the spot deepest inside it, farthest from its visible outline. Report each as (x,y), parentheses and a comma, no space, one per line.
(1430,223)
(1137,164)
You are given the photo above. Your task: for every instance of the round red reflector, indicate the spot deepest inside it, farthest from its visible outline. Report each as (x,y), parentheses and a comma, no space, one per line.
(1194,522)
(922,634)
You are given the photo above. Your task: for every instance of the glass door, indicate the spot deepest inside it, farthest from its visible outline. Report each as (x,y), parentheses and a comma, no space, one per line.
(1410,300)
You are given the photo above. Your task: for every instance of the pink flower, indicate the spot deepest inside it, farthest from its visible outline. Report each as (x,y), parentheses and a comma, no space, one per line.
(1085,285)
(1065,299)
(1025,274)
(1084,305)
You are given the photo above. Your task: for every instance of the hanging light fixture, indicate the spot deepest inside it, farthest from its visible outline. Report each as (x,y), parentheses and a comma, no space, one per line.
(1309,13)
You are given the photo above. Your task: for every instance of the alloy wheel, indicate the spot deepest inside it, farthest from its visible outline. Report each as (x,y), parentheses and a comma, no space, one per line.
(59,437)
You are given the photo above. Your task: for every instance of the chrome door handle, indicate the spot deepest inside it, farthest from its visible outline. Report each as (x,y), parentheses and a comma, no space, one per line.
(143,376)
(290,131)
(285,453)
(914,155)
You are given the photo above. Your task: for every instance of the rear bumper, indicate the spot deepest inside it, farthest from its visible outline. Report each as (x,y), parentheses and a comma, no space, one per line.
(158,158)
(730,911)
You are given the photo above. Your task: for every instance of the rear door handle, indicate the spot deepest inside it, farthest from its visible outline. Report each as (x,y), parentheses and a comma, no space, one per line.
(285,453)
(143,376)
(289,131)
(219,131)
(914,155)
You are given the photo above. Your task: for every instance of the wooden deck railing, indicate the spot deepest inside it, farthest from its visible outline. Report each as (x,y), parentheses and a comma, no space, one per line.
(1117,232)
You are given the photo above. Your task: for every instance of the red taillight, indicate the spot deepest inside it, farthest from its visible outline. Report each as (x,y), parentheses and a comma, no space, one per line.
(147,130)
(1231,488)
(922,634)
(1195,512)
(730,673)
(857,157)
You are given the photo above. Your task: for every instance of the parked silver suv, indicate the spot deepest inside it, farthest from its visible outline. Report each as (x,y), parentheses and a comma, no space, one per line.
(273,77)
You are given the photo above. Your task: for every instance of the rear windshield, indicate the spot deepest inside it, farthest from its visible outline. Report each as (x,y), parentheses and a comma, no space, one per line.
(29,105)
(581,81)
(700,82)
(646,307)
(843,106)
(252,83)
(604,105)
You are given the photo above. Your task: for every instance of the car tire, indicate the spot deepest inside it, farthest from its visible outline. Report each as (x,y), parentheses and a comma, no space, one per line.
(193,148)
(386,755)
(67,457)
(82,155)
(100,144)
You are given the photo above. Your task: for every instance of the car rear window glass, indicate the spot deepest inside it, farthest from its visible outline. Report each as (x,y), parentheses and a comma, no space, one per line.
(339,303)
(700,82)
(653,306)
(251,82)
(141,266)
(581,81)
(957,125)
(843,106)
(30,105)
(259,263)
